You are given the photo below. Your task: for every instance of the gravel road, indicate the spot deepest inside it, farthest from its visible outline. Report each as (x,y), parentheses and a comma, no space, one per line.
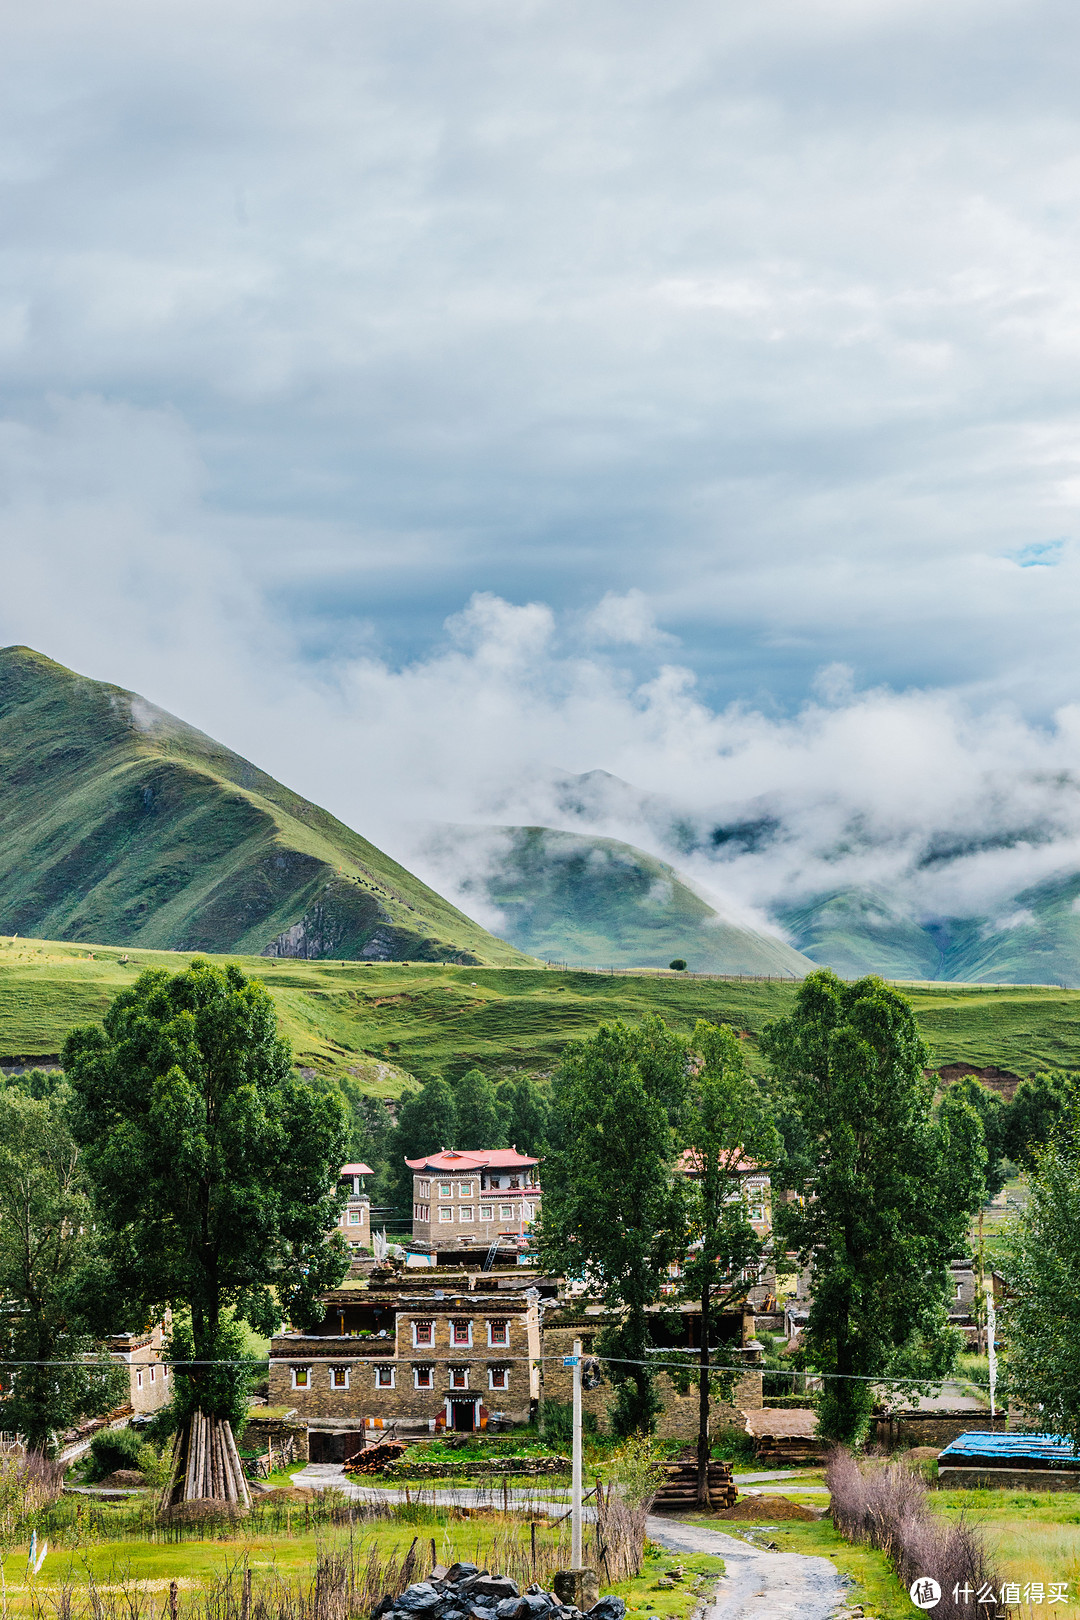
(758,1585)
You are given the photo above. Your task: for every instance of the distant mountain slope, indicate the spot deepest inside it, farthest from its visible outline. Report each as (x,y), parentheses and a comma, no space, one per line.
(600,902)
(1035,940)
(120,823)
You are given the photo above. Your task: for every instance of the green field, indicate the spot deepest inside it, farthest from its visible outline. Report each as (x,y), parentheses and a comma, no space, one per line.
(384,1021)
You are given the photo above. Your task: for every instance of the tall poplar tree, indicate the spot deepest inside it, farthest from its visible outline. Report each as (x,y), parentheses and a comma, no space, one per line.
(885,1183)
(214,1167)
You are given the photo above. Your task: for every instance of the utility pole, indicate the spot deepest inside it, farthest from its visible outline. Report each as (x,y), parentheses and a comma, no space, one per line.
(575,1496)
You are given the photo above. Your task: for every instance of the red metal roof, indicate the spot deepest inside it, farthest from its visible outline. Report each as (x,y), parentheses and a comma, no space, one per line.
(356,1170)
(475,1159)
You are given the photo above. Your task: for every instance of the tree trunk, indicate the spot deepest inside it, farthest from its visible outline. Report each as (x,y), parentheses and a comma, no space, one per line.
(703,1404)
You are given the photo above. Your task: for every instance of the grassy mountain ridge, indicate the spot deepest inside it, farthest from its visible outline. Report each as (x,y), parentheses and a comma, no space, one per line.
(121,823)
(380,1023)
(600,902)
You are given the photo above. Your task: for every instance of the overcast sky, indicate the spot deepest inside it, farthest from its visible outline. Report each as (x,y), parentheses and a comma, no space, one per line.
(398,388)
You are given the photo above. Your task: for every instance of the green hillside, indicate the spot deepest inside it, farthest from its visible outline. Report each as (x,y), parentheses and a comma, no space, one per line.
(382,1022)
(594,901)
(120,823)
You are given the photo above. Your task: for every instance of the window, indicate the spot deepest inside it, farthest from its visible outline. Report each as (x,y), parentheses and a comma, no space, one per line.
(487,1212)
(461,1333)
(424,1189)
(339,1378)
(445,1214)
(301,1377)
(459,1378)
(423,1377)
(498,1377)
(384,1378)
(152,1370)
(506,1212)
(421,1212)
(464,1189)
(138,1380)
(164,1373)
(465,1213)
(498,1333)
(527,1211)
(423,1333)
(354,1217)
(444,1189)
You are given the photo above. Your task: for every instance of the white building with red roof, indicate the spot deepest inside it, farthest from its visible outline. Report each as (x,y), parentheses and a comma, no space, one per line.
(354,1217)
(462,1197)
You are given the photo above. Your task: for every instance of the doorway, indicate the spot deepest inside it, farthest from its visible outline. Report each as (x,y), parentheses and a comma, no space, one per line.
(333,1447)
(463,1415)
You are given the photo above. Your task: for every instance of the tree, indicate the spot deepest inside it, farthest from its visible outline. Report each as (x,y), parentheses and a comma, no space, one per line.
(526,1111)
(480,1122)
(612,1204)
(678,965)
(994,1117)
(1035,1111)
(45,1220)
(214,1167)
(427,1122)
(885,1187)
(1041,1317)
(727,1132)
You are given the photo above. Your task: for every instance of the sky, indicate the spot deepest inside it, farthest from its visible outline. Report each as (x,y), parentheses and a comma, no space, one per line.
(426,398)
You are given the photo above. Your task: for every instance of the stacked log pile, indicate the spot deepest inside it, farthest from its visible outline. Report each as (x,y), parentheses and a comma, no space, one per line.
(373,1459)
(680,1486)
(206,1465)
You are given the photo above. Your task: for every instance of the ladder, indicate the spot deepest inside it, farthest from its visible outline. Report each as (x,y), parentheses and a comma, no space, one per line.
(492,1252)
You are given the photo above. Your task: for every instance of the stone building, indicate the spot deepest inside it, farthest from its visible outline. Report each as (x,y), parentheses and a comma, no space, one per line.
(149,1385)
(477,1196)
(354,1221)
(421,1352)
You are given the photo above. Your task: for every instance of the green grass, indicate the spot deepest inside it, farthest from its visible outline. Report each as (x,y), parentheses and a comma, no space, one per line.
(381,1022)
(1031,1536)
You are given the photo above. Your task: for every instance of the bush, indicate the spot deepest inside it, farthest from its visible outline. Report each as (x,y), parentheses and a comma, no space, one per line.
(557,1422)
(885,1505)
(111,1449)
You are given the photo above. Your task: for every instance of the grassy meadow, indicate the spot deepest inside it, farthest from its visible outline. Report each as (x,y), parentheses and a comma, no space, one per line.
(383,1022)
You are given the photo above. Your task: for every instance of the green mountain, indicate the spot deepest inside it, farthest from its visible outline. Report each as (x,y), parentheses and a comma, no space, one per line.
(120,823)
(597,902)
(1033,939)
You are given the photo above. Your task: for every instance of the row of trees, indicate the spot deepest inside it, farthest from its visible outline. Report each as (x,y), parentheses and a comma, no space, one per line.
(873,1186)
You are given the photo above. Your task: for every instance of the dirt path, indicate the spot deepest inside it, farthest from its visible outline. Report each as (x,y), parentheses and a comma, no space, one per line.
(758,1585)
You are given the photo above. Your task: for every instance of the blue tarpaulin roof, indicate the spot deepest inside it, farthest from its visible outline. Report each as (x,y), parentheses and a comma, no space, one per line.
(1038,1448)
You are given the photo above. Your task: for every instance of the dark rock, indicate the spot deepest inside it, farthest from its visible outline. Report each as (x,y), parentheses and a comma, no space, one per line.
(494,1586)
(538,1603)
(608,1608)
(439,1573)
(512,1608)
(383,1606)
(419,1598)
(461,1572)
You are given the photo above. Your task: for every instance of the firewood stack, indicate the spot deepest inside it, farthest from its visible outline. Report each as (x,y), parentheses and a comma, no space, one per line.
(206,1465)
(679,1488)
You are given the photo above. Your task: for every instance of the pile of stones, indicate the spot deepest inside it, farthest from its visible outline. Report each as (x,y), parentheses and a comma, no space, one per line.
(465,1592)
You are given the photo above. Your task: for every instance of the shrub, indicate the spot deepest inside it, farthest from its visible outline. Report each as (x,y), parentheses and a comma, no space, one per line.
(885,1505)
(557,1422)
(111,1449)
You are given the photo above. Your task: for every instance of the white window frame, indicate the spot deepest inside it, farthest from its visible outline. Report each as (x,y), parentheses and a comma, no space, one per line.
(464,1189)
(355,1217)
(459,1372)
(487,1212)
(465,1213)
(418,1342)
(296,1382)
(461,1344)
(498,1344)
(333,1381)
(446,1215)
(503,1373)
(430,1371)
(446,1189)
(506,1212)
(424,1190)
(378,1377)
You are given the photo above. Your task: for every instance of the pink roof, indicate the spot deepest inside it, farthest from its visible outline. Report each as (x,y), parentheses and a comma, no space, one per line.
(689,1164)
(356,1170)
(453,1160)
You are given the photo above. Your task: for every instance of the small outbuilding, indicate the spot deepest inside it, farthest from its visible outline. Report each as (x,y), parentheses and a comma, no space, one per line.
(1039,1462)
